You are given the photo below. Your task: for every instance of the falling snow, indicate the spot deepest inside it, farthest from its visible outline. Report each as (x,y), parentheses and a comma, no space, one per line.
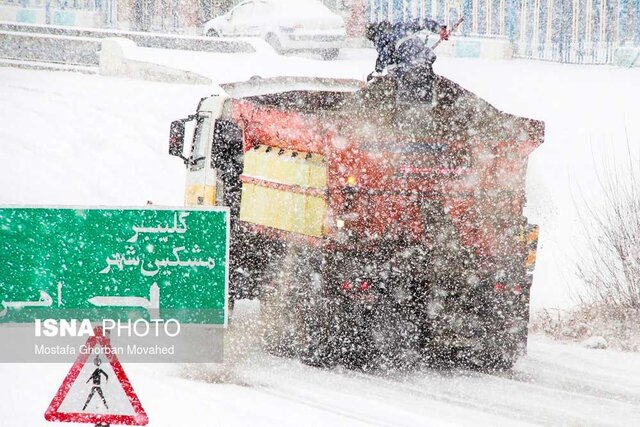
(404,225)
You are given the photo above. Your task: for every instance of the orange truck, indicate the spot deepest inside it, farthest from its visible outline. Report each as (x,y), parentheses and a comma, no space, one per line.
(373,233)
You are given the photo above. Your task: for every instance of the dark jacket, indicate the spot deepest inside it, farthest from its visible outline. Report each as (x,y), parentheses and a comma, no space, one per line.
(385,36)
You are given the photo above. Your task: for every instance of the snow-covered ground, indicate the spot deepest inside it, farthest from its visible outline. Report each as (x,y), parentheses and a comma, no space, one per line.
(556,384)
(90,140)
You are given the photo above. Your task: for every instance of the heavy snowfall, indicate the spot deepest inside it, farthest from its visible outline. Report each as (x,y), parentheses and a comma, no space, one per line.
(77,139)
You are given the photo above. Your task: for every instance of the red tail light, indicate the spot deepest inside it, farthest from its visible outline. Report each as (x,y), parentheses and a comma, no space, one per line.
(499,287)
(364,286)
(345,286)
(517,288)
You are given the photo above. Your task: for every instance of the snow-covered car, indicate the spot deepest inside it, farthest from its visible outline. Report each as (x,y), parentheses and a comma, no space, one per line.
(287,25)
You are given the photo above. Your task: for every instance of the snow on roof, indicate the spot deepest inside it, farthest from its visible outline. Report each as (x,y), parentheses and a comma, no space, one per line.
(310,7)
(262,86)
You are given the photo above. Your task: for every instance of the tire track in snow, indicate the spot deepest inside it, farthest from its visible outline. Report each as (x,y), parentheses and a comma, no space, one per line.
(449,398)
(395,404)
(542,374)
(267,389)
(515,398)
(208,394)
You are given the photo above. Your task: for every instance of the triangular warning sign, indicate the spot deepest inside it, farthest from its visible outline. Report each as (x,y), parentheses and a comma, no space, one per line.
(97,397)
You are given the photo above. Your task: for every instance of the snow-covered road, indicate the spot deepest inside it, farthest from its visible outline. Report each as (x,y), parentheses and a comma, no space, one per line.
(90,140)
(555,385)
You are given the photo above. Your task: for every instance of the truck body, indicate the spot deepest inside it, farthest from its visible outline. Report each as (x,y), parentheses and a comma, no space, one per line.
(373,232)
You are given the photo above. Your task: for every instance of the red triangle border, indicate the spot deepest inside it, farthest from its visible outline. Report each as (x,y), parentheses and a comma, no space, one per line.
(53,414)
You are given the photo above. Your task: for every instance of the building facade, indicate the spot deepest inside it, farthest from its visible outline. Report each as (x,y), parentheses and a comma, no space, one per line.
(579,31)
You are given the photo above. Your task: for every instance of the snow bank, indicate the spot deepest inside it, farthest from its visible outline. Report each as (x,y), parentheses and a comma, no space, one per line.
(627,56)
(75,139)
(595,342)
(116,60)
(475,47)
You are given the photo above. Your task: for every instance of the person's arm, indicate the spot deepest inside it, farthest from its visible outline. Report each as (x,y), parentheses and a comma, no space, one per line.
(427,24)
(433,26)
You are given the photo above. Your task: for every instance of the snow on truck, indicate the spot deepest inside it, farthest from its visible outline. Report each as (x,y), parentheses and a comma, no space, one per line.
(373,233)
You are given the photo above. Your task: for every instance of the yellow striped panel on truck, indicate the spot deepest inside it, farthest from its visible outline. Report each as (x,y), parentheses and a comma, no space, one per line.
(317,174)
(284,189)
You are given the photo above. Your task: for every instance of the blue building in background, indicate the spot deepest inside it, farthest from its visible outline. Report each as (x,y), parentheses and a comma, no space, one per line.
(578,31)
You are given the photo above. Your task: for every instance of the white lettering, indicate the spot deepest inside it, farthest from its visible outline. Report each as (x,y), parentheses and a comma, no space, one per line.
(124,326)
(85,328)
(166,327)
(38,326)
(50,327)
(110,322)
(146,326)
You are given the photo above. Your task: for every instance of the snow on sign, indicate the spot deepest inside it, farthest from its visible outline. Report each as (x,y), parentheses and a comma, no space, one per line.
(106,263)
(96,390)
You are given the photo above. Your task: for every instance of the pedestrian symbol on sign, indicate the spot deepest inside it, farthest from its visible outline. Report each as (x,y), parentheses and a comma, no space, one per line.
(96,383)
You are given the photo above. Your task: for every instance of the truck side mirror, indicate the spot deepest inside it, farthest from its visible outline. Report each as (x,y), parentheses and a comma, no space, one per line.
(176,139)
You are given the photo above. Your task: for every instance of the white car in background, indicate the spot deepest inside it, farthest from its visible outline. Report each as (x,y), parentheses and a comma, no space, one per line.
(287,25)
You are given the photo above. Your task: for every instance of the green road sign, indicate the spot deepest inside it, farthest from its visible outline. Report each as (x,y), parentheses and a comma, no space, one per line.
(123,263)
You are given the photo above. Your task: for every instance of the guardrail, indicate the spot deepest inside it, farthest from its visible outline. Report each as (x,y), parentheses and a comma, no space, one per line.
(143,39)
(49,48)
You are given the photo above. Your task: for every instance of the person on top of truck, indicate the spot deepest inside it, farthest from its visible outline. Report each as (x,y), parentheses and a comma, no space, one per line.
(403,54)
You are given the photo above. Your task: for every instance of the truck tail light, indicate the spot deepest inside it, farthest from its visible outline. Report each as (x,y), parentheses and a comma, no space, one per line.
(516,288)
(362,286)
(359,292)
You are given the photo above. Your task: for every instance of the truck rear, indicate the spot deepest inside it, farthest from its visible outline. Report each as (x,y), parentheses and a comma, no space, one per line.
(373,233)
